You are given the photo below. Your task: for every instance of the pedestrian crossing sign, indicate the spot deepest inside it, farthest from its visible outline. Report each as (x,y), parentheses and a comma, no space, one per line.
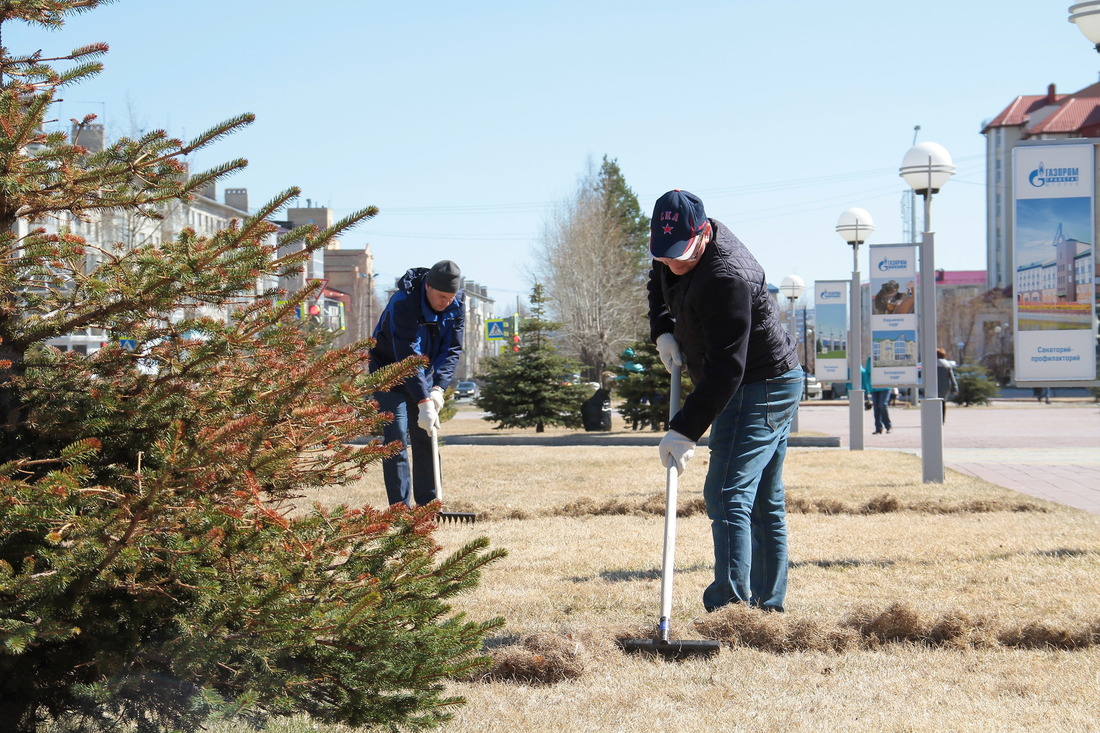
(495,329)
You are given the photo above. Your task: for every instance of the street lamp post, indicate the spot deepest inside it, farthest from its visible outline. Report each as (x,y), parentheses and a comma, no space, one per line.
(792,287)
(807,367)
(854,226)
(926,167)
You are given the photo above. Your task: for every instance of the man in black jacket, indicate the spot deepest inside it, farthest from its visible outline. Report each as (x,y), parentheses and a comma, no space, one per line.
(424,317)
(710,309)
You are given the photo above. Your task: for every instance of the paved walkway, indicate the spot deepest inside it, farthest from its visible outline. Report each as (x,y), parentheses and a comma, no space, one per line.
(1047,451)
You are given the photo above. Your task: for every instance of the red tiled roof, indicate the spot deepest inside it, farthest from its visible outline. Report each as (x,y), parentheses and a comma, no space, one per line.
(1090,91)
(1076,113)
(1021,108)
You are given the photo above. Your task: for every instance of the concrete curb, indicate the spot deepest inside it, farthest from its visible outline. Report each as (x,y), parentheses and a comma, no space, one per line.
(608,439)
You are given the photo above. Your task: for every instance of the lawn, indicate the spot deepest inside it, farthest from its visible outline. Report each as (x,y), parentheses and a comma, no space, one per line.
(912,607)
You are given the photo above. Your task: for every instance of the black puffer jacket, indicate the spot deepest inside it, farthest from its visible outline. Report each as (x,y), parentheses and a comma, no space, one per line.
(726,323)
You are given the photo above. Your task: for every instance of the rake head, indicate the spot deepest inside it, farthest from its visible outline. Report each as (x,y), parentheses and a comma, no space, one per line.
(456,517)
(675,650)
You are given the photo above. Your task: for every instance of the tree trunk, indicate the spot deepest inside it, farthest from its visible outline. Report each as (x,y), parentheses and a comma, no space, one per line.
(10,406)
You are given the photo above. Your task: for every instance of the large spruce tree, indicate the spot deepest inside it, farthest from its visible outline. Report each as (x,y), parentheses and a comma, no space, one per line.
(155,567)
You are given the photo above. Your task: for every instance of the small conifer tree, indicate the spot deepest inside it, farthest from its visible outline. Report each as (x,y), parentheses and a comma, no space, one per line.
(643,387)
(976,386)
(532,387)
(155,566)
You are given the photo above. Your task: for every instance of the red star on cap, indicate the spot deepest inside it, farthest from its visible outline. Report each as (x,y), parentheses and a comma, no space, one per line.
(667,229)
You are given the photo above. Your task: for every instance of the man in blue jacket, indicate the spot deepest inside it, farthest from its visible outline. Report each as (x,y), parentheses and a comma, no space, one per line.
(425,317)
(710,309)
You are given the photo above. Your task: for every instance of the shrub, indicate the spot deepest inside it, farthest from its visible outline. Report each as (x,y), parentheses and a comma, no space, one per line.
(976,386)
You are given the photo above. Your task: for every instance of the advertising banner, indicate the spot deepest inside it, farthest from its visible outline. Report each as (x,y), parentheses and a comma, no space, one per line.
(831,333)
(894,353)
(1054,255)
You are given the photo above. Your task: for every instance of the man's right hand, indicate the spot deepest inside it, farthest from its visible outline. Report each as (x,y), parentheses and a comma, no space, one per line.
(437,397)
(428,420)
(669,351)
(675,449)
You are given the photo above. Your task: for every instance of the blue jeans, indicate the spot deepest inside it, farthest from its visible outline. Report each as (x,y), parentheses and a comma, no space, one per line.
(395,471)
(880,401)
(744,493)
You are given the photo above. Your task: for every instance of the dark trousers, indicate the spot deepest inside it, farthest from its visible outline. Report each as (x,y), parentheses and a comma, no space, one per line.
(880,401)
(395,471)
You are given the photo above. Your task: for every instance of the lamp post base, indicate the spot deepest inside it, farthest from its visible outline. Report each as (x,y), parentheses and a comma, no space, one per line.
(855,419)
(931,440)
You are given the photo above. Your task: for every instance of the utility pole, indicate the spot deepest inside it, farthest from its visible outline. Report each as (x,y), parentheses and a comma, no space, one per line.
(914,399)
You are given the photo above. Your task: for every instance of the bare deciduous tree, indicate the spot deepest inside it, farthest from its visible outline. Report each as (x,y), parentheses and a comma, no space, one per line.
(592,271)
(958,314)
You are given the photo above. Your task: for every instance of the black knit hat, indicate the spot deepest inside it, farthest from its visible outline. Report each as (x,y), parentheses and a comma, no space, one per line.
(444,277)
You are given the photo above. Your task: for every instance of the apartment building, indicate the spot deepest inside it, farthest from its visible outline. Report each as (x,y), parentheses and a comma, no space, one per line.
(117,229)
(350,277)
(1049,116)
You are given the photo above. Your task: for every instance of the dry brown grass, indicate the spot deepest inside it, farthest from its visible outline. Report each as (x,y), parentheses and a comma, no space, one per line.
(912,607)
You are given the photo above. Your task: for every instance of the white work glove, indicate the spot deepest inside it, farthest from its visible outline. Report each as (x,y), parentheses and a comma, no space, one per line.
(437,398)
(669,352)
(676,448)
(429,417)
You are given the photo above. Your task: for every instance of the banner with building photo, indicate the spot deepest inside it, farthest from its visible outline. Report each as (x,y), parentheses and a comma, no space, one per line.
(831,330)
(894,352)
(1055,267)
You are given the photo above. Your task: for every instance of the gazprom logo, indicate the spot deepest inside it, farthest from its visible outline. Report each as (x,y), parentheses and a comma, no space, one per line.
(1043,176)
(829,295)
(888,265)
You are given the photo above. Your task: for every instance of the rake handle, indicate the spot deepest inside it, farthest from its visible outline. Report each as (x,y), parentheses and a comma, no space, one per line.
(438,478)
(668,557)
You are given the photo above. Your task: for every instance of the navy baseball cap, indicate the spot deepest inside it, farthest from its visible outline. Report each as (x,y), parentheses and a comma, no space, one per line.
(678,218)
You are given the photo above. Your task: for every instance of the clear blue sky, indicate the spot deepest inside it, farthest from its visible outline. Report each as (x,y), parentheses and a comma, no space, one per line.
(466,123)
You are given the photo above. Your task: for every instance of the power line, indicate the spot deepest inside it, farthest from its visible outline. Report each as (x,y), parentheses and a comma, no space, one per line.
(964,168)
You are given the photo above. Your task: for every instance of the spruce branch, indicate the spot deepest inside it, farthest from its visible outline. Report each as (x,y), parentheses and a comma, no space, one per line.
(217,132)
(78,73)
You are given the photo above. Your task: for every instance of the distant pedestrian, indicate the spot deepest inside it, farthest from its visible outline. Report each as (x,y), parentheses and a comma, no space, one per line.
(424,317)
(1042,394)
(946,384)
(880,399)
